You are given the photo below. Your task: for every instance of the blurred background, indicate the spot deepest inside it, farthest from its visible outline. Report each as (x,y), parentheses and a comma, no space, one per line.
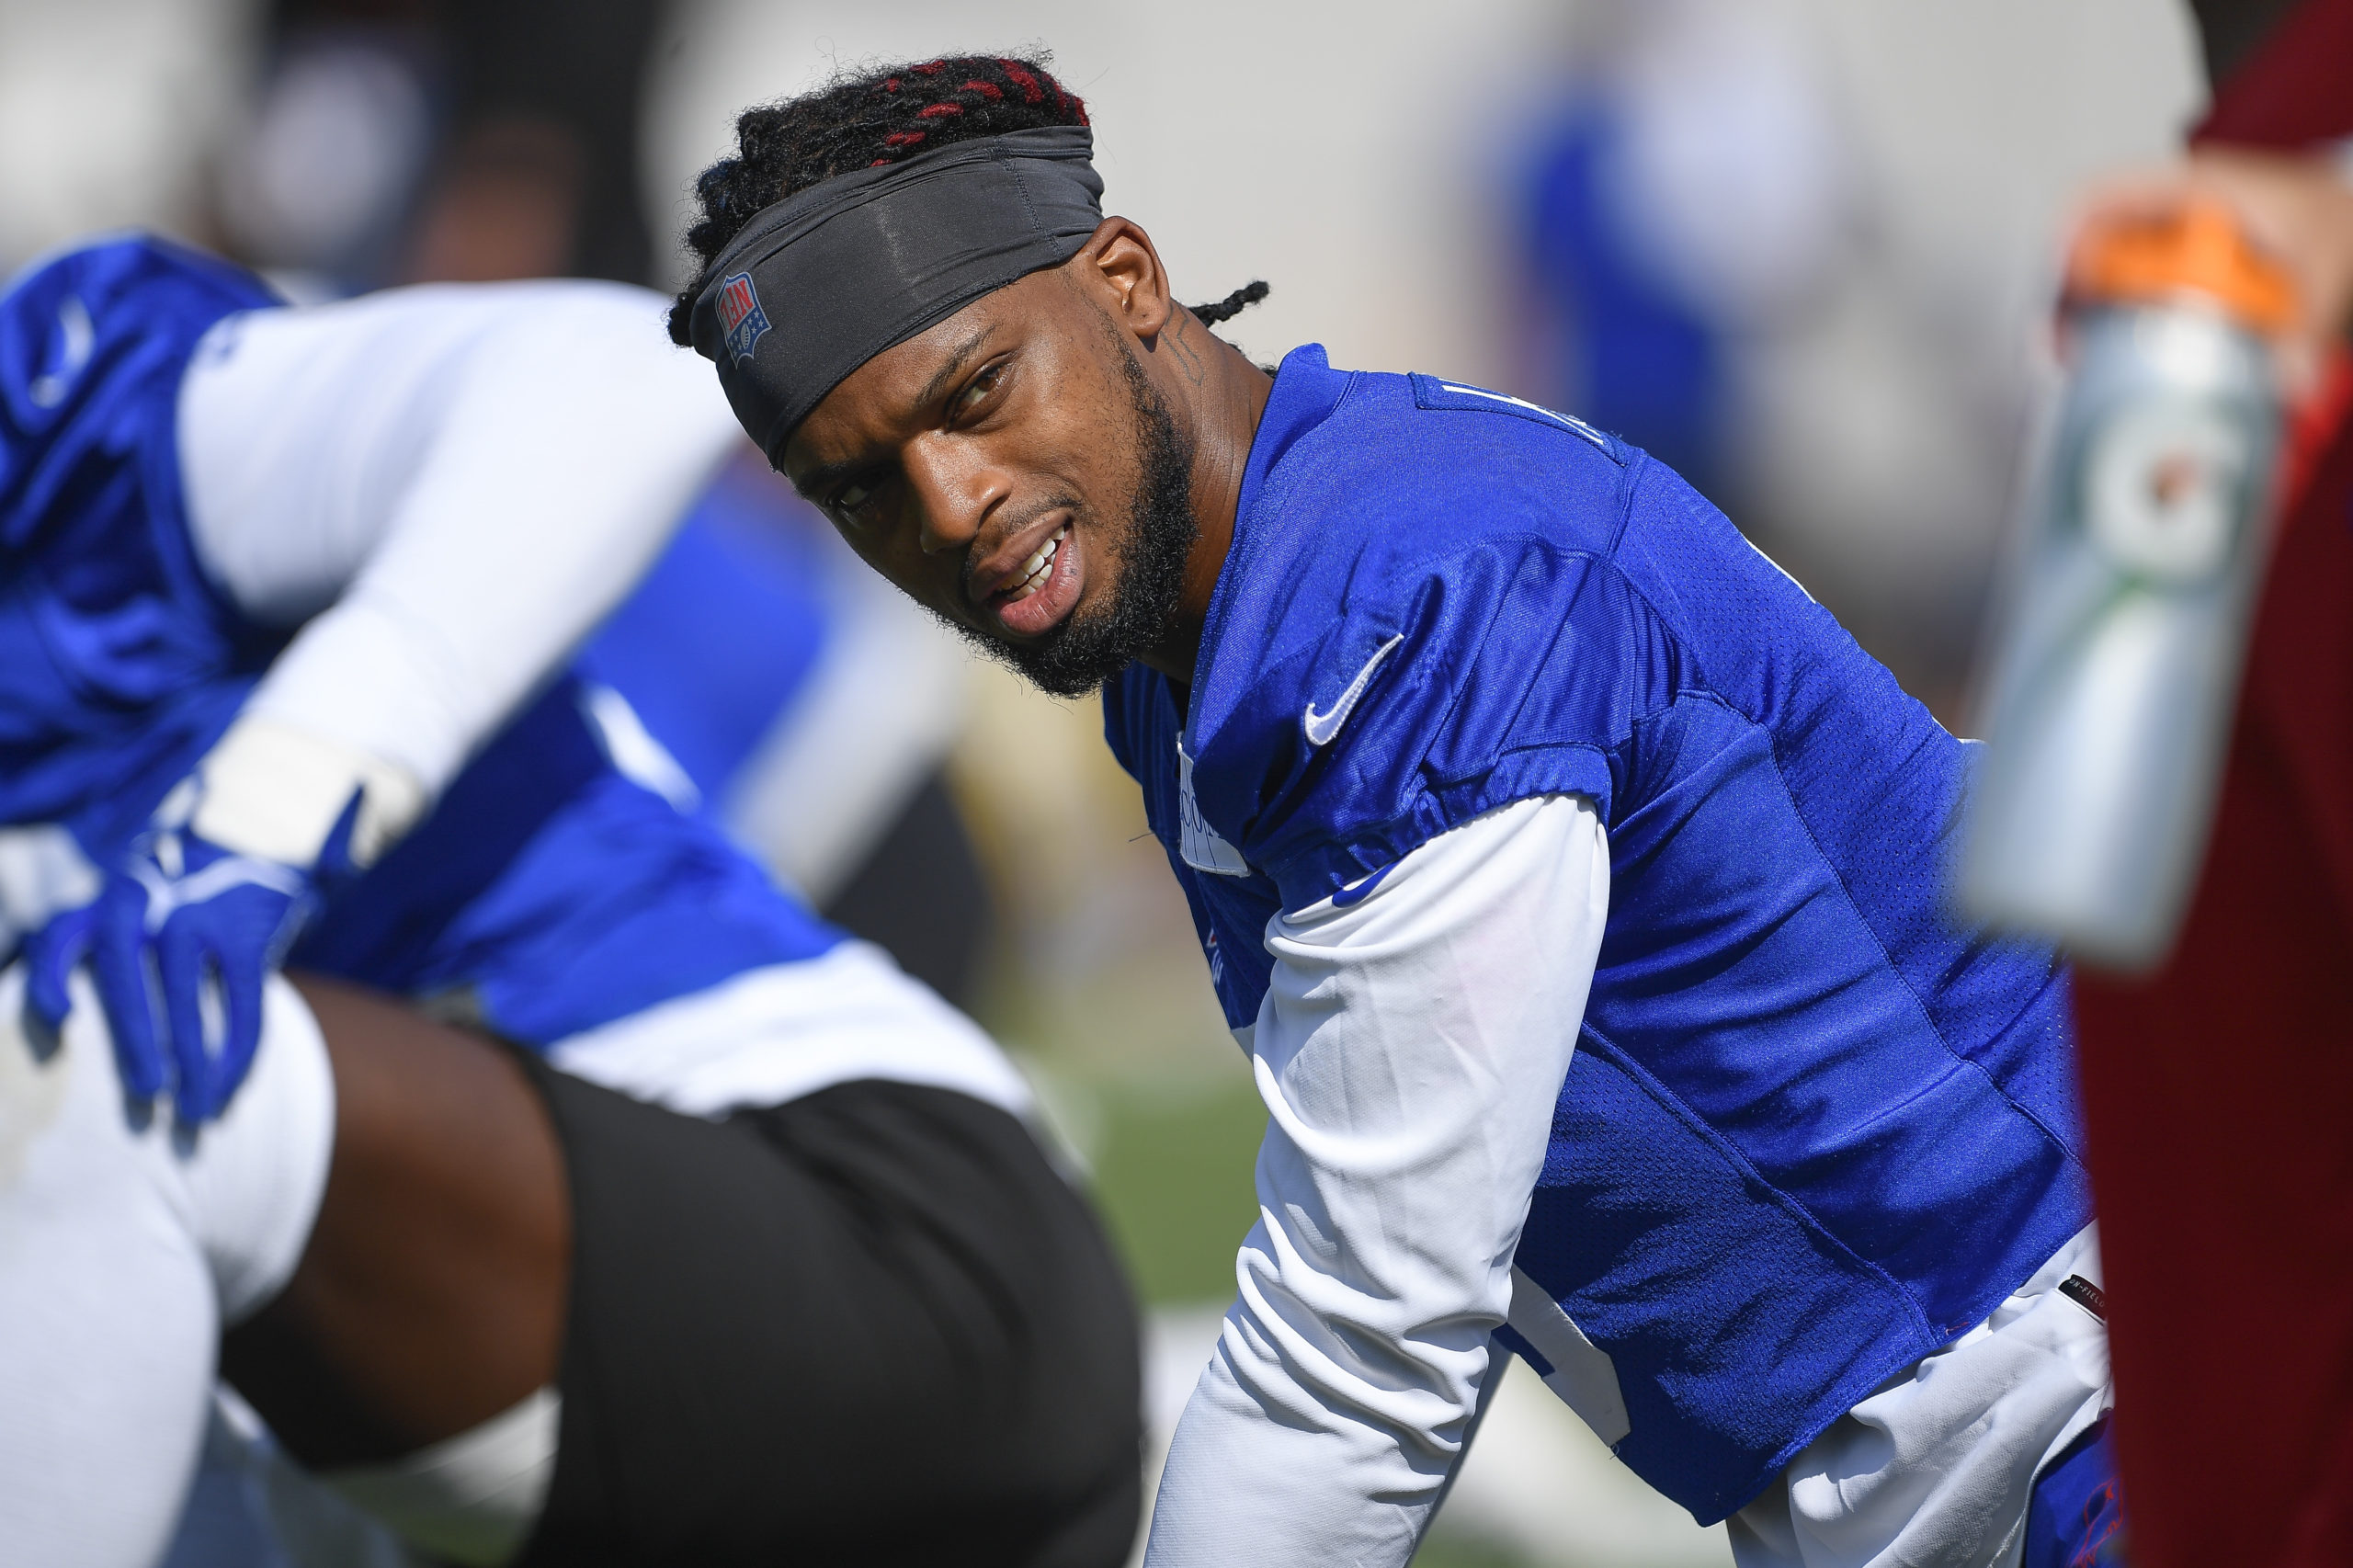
(1800,249)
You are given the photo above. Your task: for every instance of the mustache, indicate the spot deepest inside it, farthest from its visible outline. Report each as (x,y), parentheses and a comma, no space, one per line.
(1061,501)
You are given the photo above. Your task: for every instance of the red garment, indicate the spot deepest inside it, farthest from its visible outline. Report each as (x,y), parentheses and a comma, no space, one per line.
(2218,1101)
(2293,90)
(2218,1094)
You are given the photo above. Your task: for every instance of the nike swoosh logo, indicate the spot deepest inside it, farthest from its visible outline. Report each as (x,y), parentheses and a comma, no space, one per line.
(1322,727)
(1357,892)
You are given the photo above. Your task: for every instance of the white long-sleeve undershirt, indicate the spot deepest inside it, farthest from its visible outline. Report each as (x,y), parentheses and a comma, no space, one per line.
(1410,1050)
(450,483)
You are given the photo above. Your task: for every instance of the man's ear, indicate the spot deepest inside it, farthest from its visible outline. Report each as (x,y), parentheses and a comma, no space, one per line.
(1120,260)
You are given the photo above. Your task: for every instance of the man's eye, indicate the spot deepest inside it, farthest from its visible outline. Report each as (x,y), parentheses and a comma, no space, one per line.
(976,391)
(850,497)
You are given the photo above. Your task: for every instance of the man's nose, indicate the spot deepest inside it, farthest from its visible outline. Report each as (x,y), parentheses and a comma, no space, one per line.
(954,491)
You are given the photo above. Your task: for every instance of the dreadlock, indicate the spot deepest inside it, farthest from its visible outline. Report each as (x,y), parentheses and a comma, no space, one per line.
(882,117)
(1233,304)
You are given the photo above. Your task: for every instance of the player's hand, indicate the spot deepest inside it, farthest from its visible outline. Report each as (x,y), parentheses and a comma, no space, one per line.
(210,898)
(178,945)
(58,948)
(2298,207)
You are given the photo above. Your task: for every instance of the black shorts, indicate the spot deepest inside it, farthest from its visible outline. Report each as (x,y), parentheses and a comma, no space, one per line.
(871,1326)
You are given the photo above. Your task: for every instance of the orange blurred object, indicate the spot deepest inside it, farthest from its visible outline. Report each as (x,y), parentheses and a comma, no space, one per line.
(2195,250)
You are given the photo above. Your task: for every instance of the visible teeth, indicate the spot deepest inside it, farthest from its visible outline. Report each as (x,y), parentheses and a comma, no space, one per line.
(1035,570)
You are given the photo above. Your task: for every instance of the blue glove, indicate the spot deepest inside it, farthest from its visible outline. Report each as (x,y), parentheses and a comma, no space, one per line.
(181,916)
(58,948)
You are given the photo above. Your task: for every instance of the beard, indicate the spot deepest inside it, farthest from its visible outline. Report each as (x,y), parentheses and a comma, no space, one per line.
(1097,640)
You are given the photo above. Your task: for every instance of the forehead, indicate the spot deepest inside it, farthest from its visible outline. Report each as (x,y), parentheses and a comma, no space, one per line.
(899,390)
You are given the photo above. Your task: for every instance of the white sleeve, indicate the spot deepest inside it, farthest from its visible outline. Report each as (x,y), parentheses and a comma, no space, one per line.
(1410,1050)
(455,484)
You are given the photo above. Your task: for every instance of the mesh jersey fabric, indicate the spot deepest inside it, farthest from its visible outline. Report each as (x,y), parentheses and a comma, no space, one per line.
(1812,1130)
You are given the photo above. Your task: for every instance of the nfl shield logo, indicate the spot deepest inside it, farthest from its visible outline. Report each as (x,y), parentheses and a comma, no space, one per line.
(740,313)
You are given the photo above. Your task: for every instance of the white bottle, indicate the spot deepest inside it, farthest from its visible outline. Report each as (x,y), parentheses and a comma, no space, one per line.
(2131,585)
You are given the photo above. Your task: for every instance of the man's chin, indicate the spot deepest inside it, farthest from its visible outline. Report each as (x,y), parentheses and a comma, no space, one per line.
(1066,662)
(1132,570)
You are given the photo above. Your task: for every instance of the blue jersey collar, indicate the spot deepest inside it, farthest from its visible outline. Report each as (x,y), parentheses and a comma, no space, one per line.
(1306,391)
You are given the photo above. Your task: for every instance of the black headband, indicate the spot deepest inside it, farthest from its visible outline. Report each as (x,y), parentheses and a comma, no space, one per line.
(826,279)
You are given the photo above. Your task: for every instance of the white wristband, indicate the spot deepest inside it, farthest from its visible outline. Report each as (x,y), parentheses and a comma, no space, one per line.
(275,792)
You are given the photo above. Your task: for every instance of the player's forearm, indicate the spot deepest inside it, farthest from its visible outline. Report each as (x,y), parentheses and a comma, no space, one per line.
(1409,1051)
(1339,1502)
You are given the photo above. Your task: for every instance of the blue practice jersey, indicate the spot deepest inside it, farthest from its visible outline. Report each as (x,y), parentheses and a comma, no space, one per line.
(719,641)
(119,658)
(1812,1130)
(548,890)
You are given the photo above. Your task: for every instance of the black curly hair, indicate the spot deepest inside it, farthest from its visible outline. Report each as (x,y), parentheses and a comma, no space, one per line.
(882,116)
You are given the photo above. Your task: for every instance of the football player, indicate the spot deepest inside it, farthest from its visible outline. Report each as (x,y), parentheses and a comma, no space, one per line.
(736,1245)
(1572,880)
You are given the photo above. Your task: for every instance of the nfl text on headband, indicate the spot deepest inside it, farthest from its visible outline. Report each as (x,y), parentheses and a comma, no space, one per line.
(826,279)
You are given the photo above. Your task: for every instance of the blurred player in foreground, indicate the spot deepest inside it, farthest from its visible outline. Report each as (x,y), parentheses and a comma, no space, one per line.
(1571,878)
(793,1287)
(809,710)
(2219,1089)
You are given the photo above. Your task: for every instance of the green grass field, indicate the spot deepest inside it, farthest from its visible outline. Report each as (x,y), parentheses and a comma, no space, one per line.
(1172,1172)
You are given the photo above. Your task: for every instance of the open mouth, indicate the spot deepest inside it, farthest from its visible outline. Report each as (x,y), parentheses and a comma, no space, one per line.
(1044,590)
(1036,570)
